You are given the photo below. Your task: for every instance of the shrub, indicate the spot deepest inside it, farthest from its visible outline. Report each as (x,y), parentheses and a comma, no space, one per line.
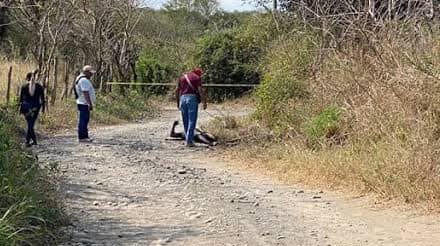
(326,125)
(152,70)
(284,87)
(233,56)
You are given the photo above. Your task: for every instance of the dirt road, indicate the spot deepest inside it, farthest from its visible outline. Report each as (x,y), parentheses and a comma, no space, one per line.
(131,187)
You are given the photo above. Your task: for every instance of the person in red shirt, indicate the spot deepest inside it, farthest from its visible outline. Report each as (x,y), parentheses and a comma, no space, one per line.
(189,94)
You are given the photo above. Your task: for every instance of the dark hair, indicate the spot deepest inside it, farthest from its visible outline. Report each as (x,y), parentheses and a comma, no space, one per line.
(29,76)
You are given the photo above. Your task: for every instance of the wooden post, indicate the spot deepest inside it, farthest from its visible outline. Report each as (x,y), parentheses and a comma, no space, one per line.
(8,90)
(53,96)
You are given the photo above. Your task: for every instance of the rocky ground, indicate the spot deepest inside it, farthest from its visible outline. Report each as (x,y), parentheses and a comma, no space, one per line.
(132,187)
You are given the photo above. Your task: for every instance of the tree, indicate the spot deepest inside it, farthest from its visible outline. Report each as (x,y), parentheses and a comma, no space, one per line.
(379,10)
(97,32)
(206,8)
(3,17)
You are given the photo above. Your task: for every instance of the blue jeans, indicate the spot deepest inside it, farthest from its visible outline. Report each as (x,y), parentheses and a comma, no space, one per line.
(31,119)
(84,118)
(189,108)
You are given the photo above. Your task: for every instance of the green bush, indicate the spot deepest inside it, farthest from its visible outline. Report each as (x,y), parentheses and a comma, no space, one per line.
(233,56)
(152,70)
(326,125)
(29,209)
(284,87)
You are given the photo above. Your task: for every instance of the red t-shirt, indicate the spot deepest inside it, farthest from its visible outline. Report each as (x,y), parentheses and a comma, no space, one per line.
(185,88)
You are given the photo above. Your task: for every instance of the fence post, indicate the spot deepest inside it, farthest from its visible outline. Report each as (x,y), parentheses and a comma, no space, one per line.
(8,90)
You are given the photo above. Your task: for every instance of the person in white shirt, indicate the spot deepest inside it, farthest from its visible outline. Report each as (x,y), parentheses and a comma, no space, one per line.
(85,99)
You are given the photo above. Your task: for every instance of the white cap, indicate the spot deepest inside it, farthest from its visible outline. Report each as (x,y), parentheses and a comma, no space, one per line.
(88,68)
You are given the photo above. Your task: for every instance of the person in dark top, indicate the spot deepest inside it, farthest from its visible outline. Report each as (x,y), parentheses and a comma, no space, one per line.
(189,93)
(31,102)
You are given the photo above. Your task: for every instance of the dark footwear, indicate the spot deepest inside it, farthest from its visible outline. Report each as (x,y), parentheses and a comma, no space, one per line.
(191,145)
(85,140)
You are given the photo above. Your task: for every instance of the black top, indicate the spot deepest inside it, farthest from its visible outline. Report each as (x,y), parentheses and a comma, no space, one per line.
(37,99)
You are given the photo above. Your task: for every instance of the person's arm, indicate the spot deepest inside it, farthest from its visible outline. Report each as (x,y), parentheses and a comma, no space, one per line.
(43,100)
(21,98)
(21,95)
(89,101)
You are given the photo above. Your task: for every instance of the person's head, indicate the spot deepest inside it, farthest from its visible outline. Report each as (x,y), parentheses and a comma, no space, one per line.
(88,71)
(198,71)
(29,76)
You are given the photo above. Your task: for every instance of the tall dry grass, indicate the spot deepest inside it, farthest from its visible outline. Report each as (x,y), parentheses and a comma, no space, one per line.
(387,88)
(19,71)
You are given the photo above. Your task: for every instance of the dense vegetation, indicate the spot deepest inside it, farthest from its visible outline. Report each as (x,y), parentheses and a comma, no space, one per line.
(29,207)
(159,46)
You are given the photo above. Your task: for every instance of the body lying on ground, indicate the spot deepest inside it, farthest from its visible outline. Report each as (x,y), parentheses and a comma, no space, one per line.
(199,137)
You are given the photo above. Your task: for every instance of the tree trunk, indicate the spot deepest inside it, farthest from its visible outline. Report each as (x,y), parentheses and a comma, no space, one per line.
(53,97)
(66,81)
(46,84)
(3,19)
(372,8)
(72,87)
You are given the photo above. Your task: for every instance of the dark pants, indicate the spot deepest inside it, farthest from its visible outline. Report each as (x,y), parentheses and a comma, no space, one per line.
(84,118)
(31,119)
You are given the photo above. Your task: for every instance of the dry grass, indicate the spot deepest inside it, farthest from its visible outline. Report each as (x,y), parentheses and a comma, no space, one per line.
(19,71)
(389,93)
(358,169)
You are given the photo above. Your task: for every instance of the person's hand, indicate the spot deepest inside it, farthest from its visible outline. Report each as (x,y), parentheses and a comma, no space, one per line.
(90,107)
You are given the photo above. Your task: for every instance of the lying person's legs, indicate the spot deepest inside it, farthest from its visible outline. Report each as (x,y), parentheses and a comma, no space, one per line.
(199,137)
(205,138)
